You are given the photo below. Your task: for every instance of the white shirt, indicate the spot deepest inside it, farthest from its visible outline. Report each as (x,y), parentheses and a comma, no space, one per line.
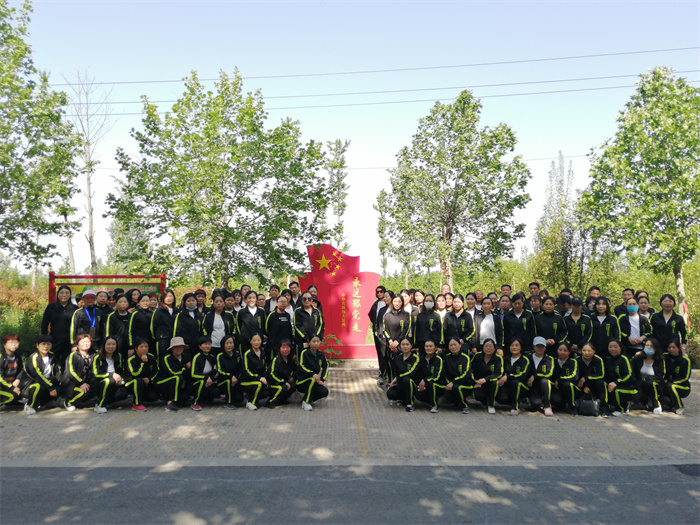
(536,360)
(217,333)
(110,366)
(488,329)
(647,370)
(47,367)
(634,325)
(252,309)
(207,367)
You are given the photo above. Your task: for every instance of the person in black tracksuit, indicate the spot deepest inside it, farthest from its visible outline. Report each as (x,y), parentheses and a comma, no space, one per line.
(565,377)
(618,376)
(141,374)
(397,325)
(540,381)
(676,384)
(40,382)
(278,327)
(11,370)
(373,320)
(228,366)
(87,320)
(77,373)
(579,327)
(404,368)
(487,369)
(519,323)
(307,323)
(163,322)
(386,356)
(605,327)
(249,320)
(459,323)
(312,373)
(108,378)
(202,387)
(281,377)
(642,327)
(551,326)
(218,323)
(188,321)
(591,374)
(516,372)
(57,322)
(430,377)
(667,325)
(117,326)
(457,369)
(429,325)
(648,385)
(254,377)
(140,325)
(173,373)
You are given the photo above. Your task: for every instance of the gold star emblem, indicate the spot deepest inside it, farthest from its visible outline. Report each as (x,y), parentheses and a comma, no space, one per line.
(333,274)
(337,267)
(340,258)
(323,263)
(335,253)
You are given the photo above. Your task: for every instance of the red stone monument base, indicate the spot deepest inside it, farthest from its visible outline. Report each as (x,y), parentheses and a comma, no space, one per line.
(353,352)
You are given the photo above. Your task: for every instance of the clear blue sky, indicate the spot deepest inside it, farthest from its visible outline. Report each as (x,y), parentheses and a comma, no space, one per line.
(136,41)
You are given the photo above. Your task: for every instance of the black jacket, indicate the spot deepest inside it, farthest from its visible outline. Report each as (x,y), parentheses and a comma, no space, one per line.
(228,366)
(460,327)
(207,325)
(83,321)
(163,323)
(523,327)
(188,328)
(491,371)
(593,371)
(136,368)
(520,369)
(428,326)
(254,366)
(248,324)
(404,367)
(626,331)
(397,325)
(199,361)
(282,371)
(457,368)
(430,370)
(678,369)
(99,367)
(57,320)
(603,333)
(8,374)
(77,370)
(578,331)
(140,326)
(278,327)
(619,371)
(306,324)
(665,332)
(310,364)
(479,317)
(34,370)
(659,367)
(117,326)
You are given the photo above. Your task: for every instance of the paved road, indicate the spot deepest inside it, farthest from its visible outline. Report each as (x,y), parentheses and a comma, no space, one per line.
(354,459)
(230,495)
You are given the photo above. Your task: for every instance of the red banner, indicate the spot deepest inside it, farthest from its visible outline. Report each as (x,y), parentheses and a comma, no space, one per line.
(346,295)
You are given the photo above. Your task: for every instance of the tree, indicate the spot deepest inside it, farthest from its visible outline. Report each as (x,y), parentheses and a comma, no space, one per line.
(645,190)
(92,119)
(336,168)
(217,191)
(453,193)
(37,148)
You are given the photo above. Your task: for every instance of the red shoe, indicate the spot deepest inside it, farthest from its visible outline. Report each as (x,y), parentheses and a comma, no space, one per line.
(138,408)
(196,408)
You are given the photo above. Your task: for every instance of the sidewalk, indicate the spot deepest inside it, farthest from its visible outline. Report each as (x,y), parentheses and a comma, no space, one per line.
(353,426)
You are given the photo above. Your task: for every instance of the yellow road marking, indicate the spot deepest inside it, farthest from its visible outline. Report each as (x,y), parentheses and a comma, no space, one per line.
(99,436)
(616,441)
(361,434)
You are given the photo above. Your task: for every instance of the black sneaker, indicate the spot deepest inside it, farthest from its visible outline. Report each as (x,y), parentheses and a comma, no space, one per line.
(409,408)
(271,404)
(172,407)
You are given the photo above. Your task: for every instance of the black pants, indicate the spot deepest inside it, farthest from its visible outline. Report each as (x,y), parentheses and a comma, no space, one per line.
(38,393)
(565,396)
(540,393)
(171,388)
(649,391)
(255,390)
(280,392)
(486,393)
(233,393)
(202,393)
(311,390)
(108,391)
(511,392)
(618,398)
(142,392)
(458,395)
(432,393)
(404,391)
(675,393)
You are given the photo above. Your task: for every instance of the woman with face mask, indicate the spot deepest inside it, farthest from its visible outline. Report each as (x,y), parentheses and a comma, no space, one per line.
(634,329)
(428,325)
(648,369)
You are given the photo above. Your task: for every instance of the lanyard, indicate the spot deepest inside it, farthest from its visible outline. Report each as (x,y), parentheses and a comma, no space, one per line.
(91,319)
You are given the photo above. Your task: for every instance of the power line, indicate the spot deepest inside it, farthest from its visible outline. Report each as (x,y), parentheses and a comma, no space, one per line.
(405,101)
(399,70)
(391,91)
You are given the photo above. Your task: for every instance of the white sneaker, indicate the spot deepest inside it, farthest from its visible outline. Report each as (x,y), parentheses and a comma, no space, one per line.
(434,409)
(548,412)
(70,408)
(306,406)
(100,410)
(680,411)
(514,412)
(658,411)
(617,413)
(250,406)
(29,410)
(491,410)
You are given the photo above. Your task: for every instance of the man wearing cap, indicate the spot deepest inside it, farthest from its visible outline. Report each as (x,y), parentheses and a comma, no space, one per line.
(86,320)
(540,382)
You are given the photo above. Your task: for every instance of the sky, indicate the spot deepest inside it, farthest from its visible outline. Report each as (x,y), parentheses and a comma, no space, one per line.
(536,66)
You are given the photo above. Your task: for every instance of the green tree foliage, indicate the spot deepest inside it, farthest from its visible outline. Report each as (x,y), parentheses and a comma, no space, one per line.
(37,147)
(645,193)
(217,191)
(453,193)
(336,168)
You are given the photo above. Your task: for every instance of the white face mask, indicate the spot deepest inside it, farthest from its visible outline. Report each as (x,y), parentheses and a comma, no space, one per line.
(429,305)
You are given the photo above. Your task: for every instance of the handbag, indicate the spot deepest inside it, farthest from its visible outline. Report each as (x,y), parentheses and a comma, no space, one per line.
(589,407)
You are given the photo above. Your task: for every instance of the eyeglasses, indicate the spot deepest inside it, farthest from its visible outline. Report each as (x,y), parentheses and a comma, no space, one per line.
(306,298)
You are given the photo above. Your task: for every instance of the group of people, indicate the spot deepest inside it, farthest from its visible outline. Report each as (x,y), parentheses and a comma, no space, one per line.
(538,351)
(259,352)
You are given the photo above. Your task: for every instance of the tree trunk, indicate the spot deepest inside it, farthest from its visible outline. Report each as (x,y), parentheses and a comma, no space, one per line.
(91,232)
(71,256)
(429,286)
(680,284)
(448,271)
